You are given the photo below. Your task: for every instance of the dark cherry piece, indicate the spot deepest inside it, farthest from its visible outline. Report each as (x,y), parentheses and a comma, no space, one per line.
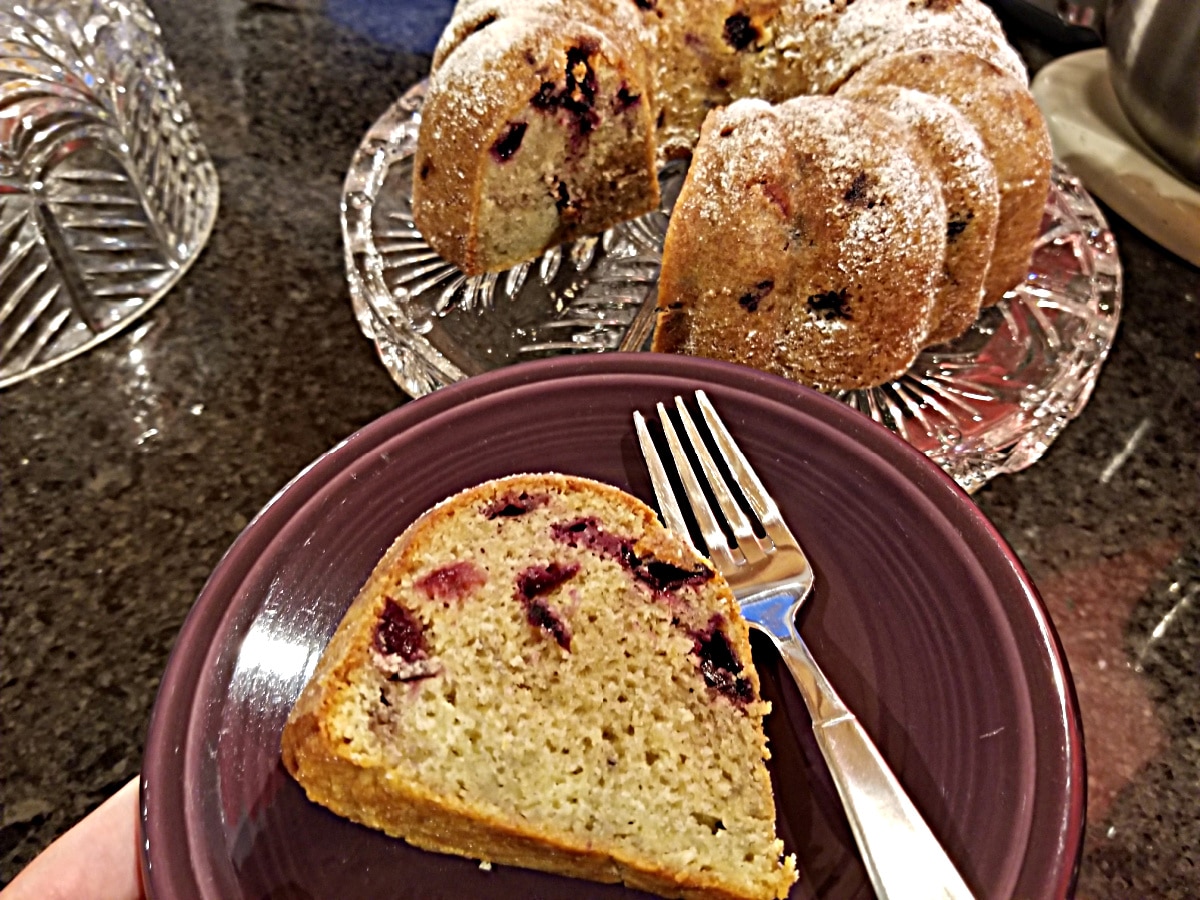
(566,207)
(588,533)
(750,300)
(830,305)
(541,615)
(511,505)
(538,580)
(663,578)
(576,97)
(509,141)
(400,633)
(719,664)
(740,32)
(531,585)
(626,99)
(857,195)
(660,577)
(955,227)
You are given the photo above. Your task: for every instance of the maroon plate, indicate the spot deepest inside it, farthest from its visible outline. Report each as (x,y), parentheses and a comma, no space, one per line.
(922,617)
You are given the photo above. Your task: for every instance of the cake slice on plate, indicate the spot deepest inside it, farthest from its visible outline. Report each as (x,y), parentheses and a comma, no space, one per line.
(539,674)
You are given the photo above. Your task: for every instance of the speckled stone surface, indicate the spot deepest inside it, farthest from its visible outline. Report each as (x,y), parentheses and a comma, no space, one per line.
(126,473)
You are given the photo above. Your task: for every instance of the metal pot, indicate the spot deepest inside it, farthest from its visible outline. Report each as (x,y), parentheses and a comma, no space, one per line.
(1154,64)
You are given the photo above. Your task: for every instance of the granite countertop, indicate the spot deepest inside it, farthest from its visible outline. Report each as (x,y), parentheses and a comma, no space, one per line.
(126,475)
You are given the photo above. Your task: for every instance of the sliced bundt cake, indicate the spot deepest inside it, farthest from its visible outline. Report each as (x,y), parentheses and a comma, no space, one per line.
(549,119)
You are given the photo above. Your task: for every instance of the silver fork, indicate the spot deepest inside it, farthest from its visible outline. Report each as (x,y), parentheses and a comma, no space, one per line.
(771,578)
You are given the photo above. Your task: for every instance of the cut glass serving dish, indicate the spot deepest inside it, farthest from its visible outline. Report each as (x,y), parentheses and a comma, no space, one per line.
(988,403)
(107,194)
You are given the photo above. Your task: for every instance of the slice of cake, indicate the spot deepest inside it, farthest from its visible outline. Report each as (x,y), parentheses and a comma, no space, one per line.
(539,674)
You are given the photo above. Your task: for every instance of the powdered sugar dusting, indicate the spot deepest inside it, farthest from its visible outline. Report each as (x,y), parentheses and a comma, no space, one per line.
(830,45)
(844,185)
(476,77)
(745,143)
(936,119)
(853,145)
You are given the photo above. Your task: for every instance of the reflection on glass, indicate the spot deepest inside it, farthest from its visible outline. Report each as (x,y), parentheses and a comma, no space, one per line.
(106,193)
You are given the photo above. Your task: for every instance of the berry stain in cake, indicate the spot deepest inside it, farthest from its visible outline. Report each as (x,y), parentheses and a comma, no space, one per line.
(543,617)
(830,305)
(575,97)
(666,578)
(857,194)
(455,581)
(718,662)
(739,32)
(660,577)
(537,581)
(399,648)
(566,206)
(749,301)
(587,533)
(774,191)
(625,99)
(400,633)
(509,141)
(955,227)
(513,505)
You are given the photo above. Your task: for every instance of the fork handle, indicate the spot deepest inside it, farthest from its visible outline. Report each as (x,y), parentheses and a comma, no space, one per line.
(903,857)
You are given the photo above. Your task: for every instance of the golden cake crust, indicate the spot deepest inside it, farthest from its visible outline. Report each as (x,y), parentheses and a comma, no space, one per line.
(808,240)
(970,192)
(1014,134)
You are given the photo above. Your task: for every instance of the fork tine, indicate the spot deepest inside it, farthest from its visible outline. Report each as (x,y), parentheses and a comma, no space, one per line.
(667,504)
(714,538)
(747,479)
(739,523)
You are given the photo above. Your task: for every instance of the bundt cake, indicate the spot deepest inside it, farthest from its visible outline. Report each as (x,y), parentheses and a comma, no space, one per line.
(548,119)
(539,674)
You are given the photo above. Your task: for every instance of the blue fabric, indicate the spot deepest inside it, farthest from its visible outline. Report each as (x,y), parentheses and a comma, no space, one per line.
(410,25)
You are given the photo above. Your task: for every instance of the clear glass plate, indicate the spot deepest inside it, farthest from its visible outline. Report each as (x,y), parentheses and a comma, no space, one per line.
(988,403)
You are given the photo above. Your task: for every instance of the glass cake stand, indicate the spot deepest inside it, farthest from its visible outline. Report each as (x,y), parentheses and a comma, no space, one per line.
(988,403)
